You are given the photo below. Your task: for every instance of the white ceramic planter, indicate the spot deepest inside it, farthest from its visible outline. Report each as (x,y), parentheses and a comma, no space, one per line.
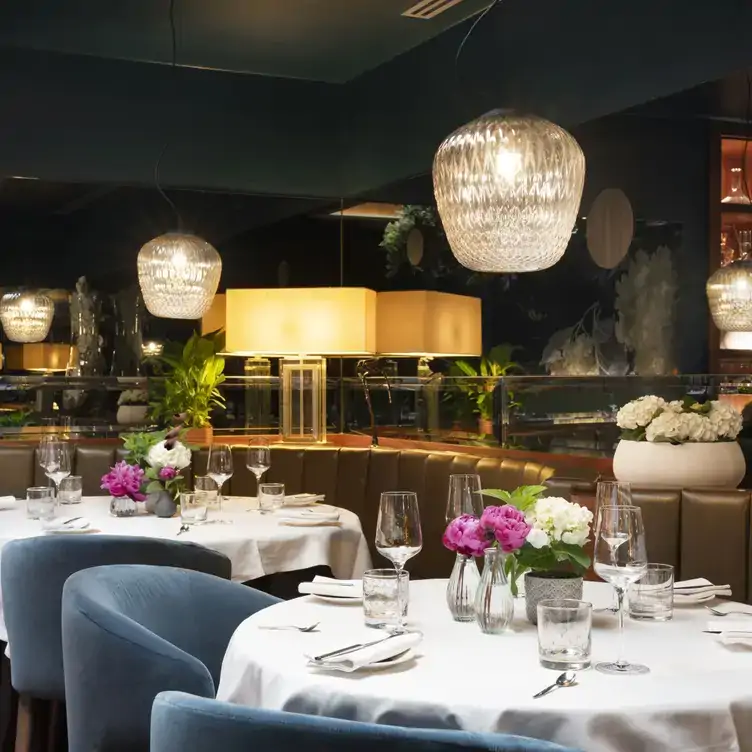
(717,464)
(132,415)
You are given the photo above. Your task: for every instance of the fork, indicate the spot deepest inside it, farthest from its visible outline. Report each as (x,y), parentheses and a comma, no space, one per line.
(716,612)
(309,628)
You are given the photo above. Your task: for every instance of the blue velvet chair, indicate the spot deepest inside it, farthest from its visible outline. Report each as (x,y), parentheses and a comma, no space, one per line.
(32,574)
(130,632)
(184,723)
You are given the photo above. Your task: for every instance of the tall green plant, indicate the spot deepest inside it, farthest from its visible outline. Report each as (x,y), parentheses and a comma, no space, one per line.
(194,373)
(492,366)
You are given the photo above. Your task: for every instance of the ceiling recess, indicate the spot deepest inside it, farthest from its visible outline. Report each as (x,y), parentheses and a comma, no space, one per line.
(427,9)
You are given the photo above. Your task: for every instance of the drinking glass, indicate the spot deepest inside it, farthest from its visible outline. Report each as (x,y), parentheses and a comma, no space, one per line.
(55,459)
(612,493)
(208,485)
(383,605)
(193,508)
(651,598)
(271,496)
(398,533)
(40,503)
(71,489)
(465,496)
(219,465)
(620,558)
(258,460)
(564,641)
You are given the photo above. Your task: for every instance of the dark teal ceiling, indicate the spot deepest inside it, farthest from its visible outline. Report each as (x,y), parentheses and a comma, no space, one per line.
(318,40)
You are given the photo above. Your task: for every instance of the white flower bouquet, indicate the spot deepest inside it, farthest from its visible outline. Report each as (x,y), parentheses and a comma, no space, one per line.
(654,419)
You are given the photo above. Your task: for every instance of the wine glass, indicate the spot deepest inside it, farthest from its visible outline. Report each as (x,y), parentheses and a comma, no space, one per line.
(465,496)
(399,536)
(258,460)
(620,558)
(612,493)
(55,459)
(219,466)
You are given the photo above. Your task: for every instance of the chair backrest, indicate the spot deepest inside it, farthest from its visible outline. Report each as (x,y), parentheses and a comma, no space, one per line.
(182,723)
(132,631)
(32,574)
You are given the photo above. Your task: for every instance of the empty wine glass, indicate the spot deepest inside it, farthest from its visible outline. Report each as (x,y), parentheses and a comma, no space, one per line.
(465,496)
(612,493)
(398,535)
(219,465)
(258,460)
(55,459)
(620,557)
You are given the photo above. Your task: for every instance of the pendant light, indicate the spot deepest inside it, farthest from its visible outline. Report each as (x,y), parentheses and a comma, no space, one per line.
(508,187)
(178,272)
(26,316)
(729,292)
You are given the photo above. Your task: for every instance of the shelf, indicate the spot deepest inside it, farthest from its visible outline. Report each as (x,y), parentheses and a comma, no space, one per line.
(736,208)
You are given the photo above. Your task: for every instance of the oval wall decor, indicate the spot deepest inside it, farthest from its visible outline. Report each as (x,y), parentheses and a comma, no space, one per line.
(610,227)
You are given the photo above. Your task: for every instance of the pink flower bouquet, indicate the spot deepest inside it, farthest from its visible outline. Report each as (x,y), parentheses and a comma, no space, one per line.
(124,480)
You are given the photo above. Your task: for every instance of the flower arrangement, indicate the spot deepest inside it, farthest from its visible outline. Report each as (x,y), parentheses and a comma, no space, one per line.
(124,480)
(539,534)
(133,397)
(161,456)
(652,418)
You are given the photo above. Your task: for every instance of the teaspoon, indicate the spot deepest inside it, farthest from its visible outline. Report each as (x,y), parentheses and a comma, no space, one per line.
(567,679)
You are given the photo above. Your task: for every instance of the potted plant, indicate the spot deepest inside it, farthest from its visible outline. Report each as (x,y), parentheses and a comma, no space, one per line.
(133,407)
(684,443)
(480,390)
(190,389)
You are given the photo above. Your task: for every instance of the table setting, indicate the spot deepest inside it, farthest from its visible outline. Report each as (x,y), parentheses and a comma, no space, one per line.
(637,661)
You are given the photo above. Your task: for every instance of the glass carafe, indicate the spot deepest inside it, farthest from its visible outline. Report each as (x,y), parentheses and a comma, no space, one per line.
(737,193)
(494,605)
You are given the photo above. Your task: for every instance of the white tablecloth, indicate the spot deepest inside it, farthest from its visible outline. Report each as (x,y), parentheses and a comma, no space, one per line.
(698,695)
(256,544)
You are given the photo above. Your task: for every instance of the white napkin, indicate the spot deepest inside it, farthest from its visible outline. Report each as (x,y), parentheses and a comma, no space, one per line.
(67,525)
(735,607)
(302,499)
(329,586)
(367,656)
(308,517)
(732,632)
(699,586)
(8,502)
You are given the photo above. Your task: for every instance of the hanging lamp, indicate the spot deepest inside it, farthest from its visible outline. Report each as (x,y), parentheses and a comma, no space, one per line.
(26,316)
(729,291)
(178,274)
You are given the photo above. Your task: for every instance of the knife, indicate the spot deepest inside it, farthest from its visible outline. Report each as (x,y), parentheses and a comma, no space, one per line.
(727,631)
(351,648)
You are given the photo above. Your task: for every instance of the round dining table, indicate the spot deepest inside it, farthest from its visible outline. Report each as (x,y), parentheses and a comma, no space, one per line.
(697,696)
(257,544)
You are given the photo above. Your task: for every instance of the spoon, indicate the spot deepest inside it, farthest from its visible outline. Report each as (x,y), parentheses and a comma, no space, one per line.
(716,612)
(567,679)
(183,529)
(309,628)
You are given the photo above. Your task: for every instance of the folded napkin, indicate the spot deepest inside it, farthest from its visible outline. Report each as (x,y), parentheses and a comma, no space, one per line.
(75,525)
(699,586)
(8,502)
(328,586)
(302,499)
(731,632)
(308,517)
(381,651)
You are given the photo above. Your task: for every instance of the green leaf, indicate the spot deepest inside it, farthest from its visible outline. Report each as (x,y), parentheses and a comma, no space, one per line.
(154,487)
(497,493)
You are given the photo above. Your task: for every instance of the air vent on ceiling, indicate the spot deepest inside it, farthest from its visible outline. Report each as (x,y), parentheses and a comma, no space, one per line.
(426,9)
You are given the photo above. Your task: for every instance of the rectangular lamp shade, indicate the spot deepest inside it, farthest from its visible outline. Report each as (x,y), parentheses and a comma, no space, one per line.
(424,323)
(292,321)
(40,356)
(215,317)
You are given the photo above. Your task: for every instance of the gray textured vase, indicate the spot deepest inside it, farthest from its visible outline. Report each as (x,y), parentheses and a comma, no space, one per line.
(540,586)
(161,504)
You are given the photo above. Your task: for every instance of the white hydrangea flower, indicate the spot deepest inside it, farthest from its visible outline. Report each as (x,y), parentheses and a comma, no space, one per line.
(668,426)
(556,519)
(638,413)
(676,406)
(697,427)
(178,457)
(725,419)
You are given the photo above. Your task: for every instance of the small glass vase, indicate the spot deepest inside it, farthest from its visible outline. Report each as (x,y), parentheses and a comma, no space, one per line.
(122,506)
(463,584)
(494,605)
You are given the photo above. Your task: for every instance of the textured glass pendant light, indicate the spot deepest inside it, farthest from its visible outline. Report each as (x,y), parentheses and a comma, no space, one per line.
(730,297)
(26,316)
(508,188)
(178,274)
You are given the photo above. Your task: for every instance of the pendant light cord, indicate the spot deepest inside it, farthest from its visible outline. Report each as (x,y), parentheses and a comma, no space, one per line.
(467,36)
(173,66)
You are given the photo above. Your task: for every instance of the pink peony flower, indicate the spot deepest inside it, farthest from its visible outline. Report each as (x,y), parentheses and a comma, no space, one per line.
(506,524)
(124,480)
(465,535)
(167,473)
